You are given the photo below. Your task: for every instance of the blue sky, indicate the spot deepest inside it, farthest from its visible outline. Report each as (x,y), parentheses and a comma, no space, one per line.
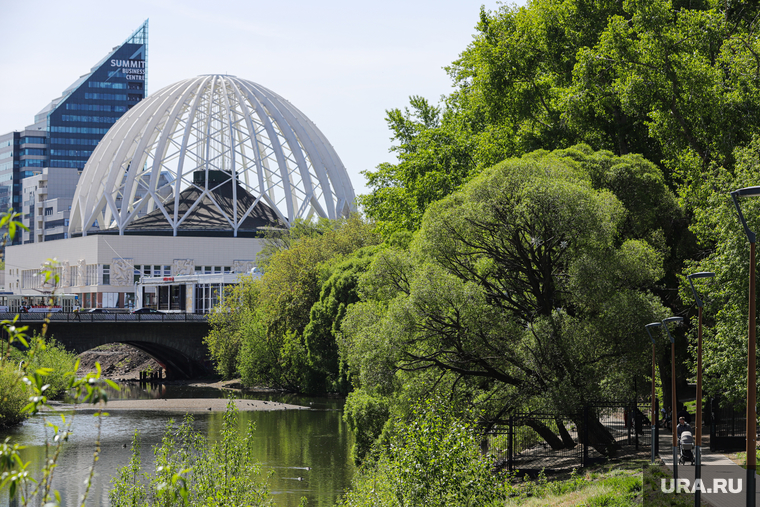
(341,63)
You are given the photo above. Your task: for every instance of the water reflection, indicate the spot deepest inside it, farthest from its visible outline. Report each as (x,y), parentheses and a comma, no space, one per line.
(307,451)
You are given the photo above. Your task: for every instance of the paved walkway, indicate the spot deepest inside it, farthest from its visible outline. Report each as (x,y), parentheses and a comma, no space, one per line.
(714,466)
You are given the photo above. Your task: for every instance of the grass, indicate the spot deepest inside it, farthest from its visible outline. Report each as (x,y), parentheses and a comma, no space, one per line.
(606,485)
(618,485)
(740,458)
(653,474)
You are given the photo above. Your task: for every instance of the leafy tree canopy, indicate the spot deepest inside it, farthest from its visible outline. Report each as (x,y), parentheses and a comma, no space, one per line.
(726,295)
(264,331)
(524,289)
(673,80)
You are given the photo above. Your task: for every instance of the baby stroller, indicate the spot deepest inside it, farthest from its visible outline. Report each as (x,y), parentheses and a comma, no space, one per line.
(686,445)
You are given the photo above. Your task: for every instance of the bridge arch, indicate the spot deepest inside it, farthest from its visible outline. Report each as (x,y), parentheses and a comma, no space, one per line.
(177,345)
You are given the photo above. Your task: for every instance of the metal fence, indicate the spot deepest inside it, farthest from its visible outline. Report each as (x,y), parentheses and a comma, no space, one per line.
(532,442)
(728,427)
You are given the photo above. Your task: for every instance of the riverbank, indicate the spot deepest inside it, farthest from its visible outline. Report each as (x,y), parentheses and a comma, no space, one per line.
(122,363)
(190,405)
(118,362)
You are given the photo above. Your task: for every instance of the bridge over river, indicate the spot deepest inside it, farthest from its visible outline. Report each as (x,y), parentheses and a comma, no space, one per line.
(175,340)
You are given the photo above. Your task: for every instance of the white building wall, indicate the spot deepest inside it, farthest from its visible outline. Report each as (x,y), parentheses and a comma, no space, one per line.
(46,203)
(78,257)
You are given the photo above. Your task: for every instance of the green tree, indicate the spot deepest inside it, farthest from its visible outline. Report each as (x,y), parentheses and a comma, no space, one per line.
(262,330)
(434,160)
(523,288)
(689,69)
(320,335)
(672,80)
(726,295)
(227,323)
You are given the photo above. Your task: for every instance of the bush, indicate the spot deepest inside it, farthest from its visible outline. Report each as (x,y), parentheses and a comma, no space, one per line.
(48,357)
(190,470)
(14,394)
(365,415)
(61,364)
(432,460)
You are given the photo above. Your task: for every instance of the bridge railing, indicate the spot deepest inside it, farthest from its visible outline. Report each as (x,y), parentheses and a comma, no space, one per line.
(105,317)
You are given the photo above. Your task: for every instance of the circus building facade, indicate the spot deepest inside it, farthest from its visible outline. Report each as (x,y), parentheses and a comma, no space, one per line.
(179,194)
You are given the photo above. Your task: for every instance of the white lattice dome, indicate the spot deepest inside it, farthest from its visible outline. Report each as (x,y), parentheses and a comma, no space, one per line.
(213,154)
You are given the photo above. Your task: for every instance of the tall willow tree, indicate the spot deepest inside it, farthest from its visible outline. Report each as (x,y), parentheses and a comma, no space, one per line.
(278,330)
(527,289)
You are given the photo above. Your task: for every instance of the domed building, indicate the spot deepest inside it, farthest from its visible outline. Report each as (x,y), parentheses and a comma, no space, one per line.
(187,183)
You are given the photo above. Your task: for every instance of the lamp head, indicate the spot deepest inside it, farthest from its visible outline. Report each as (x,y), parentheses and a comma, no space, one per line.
(652,324)
(745,192)
(701,274)
(665,322)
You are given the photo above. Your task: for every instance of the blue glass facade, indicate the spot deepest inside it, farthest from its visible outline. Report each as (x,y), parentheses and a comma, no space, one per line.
(21,156)
(89,108)
(67,130)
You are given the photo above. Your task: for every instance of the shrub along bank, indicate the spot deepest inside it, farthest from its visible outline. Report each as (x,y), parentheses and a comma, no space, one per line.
(47,357)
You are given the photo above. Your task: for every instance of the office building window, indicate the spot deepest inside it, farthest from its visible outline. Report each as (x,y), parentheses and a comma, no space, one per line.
(89,119)
(113,86)
(106,274)
(78,130)
(104,96)
(32,140)
(97,107)
(48,211)
(32,151)
(71,153)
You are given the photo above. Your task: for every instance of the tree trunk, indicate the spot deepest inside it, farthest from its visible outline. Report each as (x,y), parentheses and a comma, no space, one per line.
(546,433)
(598,437)
(566,438)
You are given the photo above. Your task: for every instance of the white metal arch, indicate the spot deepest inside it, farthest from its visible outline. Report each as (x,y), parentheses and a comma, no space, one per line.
(219,123)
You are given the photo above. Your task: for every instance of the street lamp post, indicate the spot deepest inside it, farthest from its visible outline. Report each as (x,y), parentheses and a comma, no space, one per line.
(674,399)
(698,422)
(654,395)
(751,350)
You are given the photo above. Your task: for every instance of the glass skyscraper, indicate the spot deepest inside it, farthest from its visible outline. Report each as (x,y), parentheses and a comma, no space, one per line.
(66,131)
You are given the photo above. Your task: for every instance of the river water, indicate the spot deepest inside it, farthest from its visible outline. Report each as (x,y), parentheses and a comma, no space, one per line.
(307,452)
